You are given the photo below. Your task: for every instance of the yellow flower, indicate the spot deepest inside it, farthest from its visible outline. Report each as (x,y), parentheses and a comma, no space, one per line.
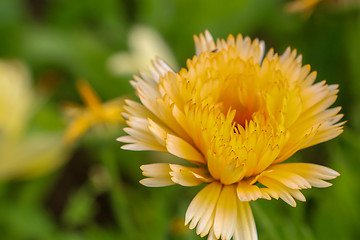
(144,44)
(309,5)
(93,114)
(23,153)
(235,116)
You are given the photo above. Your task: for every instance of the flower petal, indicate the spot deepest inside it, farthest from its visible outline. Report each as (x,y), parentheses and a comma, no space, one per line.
(226,213)
(158,174)
(245,228)
(188,176)
(247,192)
(281,190)
(202,207)
(289,179)
(156,182)
(204,43)
(307,170)
(183,149)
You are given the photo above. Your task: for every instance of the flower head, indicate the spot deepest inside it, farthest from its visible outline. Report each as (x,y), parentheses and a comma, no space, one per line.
(94,113)
(236,116)
(24,153)
(144,44)
(308,6)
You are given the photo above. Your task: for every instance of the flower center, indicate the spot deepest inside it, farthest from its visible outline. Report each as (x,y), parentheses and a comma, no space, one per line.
(238,93)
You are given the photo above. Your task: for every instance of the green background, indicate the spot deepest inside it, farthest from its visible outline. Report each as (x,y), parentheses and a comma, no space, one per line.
(64,40)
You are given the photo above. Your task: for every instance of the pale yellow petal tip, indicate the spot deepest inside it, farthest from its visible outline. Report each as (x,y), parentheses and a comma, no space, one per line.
(156,182)
(132,147)
(143,167)
(329,173)
(187,219)
(124,147)
(148,182)
(334,173)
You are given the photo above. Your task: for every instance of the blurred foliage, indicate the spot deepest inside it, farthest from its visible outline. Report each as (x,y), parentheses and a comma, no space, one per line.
(96,194)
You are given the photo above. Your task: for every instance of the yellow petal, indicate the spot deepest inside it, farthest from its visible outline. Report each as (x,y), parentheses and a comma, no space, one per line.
(188,176)
(281,190)
(156,182)
(203,205)
(77,128)
(89,96)
(183,149)
(245,228)
(308,170)
(247,192)
(226,213)
(158,174)
(289,179)
(204,43)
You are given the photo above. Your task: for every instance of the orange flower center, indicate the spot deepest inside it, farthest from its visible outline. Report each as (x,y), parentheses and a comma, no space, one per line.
(237,95)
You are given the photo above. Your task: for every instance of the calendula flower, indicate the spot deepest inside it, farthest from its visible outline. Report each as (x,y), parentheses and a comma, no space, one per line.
(23,153)
(308,6)
(236,117)
(144,44)
(93,114)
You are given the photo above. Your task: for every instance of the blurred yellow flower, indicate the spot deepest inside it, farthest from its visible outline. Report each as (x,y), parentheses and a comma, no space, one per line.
(236,116)
(308,6)
(144,43)
(94,113)
(23,154)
